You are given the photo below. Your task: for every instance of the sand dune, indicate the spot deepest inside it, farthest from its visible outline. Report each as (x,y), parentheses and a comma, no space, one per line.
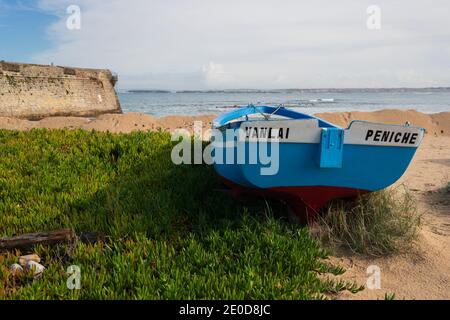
(123,123)
(436,124)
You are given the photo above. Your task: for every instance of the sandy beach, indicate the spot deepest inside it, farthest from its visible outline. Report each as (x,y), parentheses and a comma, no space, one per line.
(436,124)
(421,274)
(425,272)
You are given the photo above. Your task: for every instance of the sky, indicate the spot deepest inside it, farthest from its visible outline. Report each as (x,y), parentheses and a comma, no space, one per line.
(237,44)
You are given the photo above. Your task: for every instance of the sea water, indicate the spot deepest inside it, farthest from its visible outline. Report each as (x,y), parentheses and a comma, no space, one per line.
(161,103)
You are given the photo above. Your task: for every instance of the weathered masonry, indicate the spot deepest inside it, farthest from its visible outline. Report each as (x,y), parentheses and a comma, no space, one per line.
(37,91)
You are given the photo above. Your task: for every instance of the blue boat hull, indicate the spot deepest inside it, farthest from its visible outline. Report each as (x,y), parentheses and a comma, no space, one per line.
(364,167)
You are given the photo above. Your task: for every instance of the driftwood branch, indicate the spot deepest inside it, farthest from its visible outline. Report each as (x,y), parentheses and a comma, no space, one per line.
(26,241)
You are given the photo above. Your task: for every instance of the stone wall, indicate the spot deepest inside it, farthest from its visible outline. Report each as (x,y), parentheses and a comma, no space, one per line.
(37,91)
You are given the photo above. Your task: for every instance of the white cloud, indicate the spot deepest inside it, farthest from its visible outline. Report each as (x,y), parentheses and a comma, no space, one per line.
(194,44)
(216,76)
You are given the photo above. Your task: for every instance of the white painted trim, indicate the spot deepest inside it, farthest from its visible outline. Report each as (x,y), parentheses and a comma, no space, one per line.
(308,131)
(290,131)
(379,134)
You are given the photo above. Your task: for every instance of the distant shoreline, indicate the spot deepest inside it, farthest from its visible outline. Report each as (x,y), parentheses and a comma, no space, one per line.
(292,90)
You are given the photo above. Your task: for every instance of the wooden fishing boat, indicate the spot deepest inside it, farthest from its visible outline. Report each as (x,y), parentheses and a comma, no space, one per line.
(317,160)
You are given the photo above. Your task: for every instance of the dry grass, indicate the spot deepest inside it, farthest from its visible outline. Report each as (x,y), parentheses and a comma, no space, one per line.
(377,224)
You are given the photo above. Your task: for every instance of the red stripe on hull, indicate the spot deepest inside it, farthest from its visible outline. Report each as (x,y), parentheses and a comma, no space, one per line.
(305,202)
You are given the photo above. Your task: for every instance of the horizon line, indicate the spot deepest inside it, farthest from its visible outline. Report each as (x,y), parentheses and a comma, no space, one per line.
(285,89)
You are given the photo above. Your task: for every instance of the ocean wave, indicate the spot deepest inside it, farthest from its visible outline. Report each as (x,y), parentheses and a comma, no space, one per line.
(149,91)
(324,100)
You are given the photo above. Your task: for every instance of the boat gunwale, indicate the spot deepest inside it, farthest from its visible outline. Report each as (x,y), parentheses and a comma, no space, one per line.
(242,112)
